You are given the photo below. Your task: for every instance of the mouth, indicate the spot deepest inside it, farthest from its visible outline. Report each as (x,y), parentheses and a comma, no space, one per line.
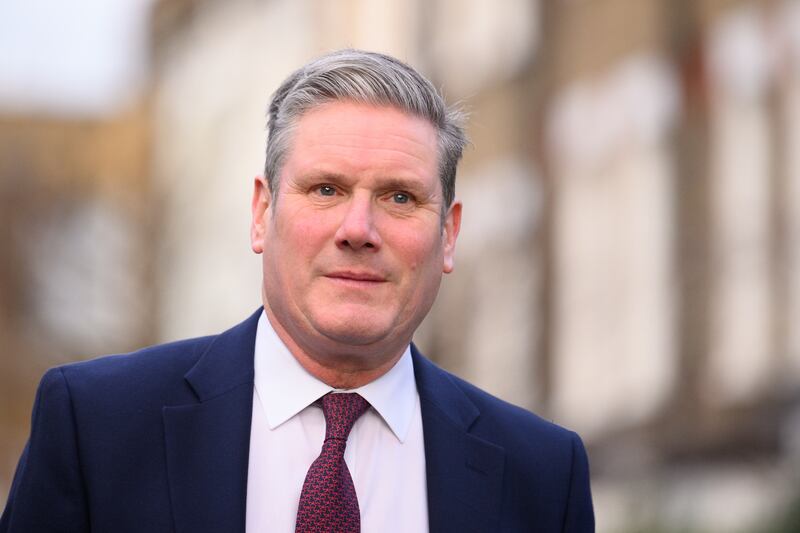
(356,277)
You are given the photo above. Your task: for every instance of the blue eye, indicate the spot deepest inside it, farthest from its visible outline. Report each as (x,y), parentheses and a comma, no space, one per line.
(326,190)
(401,198)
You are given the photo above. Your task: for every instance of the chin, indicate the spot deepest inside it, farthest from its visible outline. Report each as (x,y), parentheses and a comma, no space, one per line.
(353,336)
(353,332)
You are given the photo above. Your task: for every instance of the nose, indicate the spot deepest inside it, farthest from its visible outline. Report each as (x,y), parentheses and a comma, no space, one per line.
(357,229)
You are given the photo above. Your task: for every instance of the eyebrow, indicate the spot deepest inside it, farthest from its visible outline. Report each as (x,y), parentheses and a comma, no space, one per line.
(323,176)
(392,182)
(403,183)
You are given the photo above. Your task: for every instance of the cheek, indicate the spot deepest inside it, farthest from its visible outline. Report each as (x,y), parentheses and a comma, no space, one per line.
(419,249)
(301,235)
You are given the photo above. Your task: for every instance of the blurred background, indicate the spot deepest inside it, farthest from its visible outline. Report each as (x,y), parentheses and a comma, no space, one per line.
(629,264)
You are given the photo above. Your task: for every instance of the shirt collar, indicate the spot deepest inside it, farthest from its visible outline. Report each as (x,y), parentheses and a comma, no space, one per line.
(286,388)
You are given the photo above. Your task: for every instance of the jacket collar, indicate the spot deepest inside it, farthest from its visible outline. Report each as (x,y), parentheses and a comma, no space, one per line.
(228,361)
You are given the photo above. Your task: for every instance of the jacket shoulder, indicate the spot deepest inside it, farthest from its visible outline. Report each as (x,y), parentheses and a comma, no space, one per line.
(154,373)
(151,358)
(510,422)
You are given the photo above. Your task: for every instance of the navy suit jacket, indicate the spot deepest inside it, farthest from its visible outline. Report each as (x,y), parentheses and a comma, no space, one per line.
(158,441)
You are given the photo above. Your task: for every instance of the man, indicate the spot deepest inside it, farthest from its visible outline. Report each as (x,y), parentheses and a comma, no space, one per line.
(356,220)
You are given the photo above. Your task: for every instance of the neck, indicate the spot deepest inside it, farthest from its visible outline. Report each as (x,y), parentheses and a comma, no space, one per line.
(344,378)
(340,369)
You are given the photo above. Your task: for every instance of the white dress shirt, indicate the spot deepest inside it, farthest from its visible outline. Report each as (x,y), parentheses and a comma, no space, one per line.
(385,450)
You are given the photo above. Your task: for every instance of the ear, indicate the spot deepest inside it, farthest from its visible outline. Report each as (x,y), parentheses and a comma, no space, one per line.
(262,199)
(452,225)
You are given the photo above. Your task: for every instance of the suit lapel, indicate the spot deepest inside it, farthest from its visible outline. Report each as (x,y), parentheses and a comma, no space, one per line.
(207,443)
(465,473)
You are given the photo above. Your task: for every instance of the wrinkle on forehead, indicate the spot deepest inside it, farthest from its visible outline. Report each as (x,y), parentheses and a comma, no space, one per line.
(362,136)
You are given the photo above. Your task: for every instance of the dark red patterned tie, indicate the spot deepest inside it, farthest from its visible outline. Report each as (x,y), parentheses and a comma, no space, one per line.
(328,502)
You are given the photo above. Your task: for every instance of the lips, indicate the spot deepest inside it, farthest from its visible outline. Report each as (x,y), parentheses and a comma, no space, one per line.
(356,276)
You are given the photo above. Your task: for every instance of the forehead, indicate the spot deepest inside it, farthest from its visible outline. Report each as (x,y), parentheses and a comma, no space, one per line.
(348,132)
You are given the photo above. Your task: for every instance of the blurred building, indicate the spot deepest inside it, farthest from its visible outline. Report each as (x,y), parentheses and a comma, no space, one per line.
(629,264)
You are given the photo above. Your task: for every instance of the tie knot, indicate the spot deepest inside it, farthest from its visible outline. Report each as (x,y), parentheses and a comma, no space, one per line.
(341,412)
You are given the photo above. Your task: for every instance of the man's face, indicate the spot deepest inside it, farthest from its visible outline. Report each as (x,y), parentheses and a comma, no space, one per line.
(353,243)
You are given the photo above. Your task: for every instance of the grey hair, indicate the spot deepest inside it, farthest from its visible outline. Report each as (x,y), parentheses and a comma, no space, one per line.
(369,78)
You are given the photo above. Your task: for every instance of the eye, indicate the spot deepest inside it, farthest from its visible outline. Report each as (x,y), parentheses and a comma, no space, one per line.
(401,198)
(326,190)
